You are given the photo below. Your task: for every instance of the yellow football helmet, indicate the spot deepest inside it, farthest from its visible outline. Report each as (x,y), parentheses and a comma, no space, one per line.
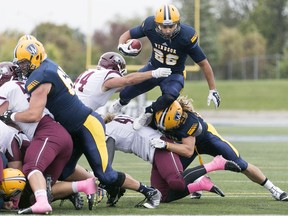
(13,182)
(28,55)
(27,37)
(170,117)
(167,16)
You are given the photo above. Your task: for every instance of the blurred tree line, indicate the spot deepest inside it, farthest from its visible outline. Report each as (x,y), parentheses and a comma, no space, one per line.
(232,32)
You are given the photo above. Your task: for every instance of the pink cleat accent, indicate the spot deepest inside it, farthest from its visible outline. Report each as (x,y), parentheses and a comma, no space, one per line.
(37,208)
(87,186)
(205,184)
(220,163)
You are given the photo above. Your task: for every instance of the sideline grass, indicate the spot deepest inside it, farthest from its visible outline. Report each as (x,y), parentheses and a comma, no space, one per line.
(237,95)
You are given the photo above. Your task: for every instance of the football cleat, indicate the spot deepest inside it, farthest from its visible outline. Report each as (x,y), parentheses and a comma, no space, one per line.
(90,200)
(232,166)
(100,195)
(114,195)
(143,120)
(278,194)
(76,199)
(217,190)
(25,211)
(115,107)
(221,163)
(37,208)
(196,195)
(152,199)
(49,189)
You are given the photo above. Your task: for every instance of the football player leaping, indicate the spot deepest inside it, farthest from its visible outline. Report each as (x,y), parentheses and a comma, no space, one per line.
(171,42)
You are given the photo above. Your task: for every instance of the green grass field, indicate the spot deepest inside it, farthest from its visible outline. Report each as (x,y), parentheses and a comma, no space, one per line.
(238,95)
(242,196)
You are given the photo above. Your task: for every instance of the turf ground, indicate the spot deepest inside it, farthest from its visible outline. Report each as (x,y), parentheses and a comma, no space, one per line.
(242,196)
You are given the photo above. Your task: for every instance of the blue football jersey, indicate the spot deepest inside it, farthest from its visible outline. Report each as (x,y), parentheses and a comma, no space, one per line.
(62,101)
(170,53)
(193,125)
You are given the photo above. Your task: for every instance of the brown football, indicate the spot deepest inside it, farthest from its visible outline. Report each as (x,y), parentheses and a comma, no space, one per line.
(136,44)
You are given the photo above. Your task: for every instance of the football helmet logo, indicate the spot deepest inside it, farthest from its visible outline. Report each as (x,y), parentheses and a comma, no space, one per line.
(28,55)
(170,117)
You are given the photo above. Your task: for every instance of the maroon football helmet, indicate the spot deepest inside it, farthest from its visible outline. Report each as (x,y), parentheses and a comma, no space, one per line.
(8,71)
(113,60)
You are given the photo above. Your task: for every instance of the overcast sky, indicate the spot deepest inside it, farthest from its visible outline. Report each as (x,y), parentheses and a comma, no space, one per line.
(24,15)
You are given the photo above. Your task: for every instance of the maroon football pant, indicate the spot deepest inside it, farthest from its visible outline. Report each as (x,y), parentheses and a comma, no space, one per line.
(167,172)
(49,150)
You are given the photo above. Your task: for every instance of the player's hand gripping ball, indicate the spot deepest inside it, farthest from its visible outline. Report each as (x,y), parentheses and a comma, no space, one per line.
(132,47)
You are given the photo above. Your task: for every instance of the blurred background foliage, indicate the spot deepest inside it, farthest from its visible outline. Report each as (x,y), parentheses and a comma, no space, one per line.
(243,39)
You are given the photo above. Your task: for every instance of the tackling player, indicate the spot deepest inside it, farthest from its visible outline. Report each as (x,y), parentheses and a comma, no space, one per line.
(180,122)
(172,41)
(167,172)
(50,147)
(94,87)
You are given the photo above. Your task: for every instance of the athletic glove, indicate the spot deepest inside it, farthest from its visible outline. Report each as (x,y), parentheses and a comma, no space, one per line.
(161,72)
(6,116)
(158,143)
(127,50)
(214,95)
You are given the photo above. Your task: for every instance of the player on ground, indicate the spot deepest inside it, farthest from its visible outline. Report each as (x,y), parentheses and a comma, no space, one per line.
(172,41)
(181,123)
(167,172)
(50,87)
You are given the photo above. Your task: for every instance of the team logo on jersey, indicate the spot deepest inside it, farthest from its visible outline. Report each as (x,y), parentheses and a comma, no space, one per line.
(32,49)
(194,38)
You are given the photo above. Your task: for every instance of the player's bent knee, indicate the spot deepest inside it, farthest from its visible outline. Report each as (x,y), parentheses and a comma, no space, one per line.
(241,163)
(177,184)
(113,178)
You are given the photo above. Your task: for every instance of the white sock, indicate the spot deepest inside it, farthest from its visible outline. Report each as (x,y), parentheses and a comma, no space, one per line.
(269,185)
(74,187)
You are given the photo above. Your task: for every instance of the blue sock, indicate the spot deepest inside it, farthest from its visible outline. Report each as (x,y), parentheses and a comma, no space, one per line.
(144,189)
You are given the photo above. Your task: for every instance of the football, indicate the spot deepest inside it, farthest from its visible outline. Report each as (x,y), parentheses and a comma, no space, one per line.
(136,44)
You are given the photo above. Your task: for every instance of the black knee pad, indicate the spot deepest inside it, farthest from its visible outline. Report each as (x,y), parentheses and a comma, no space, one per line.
(120,180)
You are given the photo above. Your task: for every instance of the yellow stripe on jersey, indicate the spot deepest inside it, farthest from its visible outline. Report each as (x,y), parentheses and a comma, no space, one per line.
(32,85)
(92,124)
(212,130)
(192,129)
(194,38)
